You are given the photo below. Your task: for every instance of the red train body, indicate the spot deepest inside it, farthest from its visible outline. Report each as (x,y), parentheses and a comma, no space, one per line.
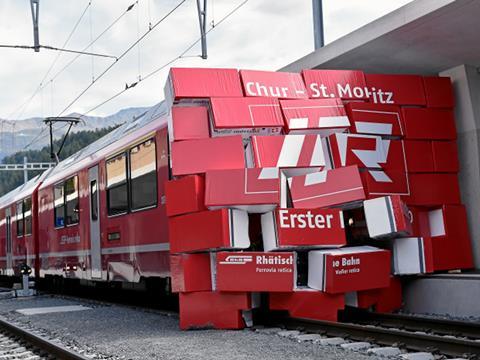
(98,215)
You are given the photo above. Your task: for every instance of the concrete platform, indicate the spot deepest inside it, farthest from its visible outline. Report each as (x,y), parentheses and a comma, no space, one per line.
(450,295)
(51,309)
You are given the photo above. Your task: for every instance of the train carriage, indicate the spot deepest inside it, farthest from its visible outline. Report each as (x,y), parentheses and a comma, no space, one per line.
(19,227)
(101,212)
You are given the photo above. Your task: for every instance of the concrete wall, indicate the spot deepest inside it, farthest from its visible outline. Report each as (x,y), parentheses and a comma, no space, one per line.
(449,295)
(466,82)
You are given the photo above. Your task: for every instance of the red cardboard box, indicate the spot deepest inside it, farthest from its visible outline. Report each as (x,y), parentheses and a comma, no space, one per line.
(396,89)
(189,122)
(189,83)
(199,156)
(233,116)
(445,156)
(308,304)
(293,228)
(439,92)
(451,244)
(252,190)
(282,85)
(375,119)
(255,271)
(323,116)
(366,151)
(419,156)
(384,300)
(412,255)
(190,272)
(288,151)
(324,189)
(344,84)
(207,230)
(420,221)
(185,195)
(348,269)
(429,124)
(385,182)
(361,150)
(433,189)
(213,309)
(387,217)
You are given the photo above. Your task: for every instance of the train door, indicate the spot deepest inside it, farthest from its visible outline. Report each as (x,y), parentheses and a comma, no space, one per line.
(8,228)
(95,244)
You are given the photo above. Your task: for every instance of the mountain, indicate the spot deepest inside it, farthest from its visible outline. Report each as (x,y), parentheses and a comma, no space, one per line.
(9,180)
(15,135)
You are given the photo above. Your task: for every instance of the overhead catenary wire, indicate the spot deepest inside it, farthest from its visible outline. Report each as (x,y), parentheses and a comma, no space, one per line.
(94,40)
(163,18)
(60,50)
(171,61)
(29,99)
(44,83)
(155,71)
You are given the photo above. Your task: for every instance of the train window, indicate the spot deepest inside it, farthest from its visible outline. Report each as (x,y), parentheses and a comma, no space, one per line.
(94,200)
(27,215)
(117,194)
(59,205)
(143,175)
(71,201)
(19,219)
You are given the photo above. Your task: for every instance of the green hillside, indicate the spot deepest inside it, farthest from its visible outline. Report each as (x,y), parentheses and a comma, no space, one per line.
(9,180)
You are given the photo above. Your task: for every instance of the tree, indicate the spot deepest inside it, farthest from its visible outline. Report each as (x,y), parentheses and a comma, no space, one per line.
(9,180)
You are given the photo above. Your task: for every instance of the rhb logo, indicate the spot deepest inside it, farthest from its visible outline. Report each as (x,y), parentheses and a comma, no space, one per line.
(237,260)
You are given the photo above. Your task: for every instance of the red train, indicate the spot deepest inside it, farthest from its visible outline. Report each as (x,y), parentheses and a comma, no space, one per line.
(98,215)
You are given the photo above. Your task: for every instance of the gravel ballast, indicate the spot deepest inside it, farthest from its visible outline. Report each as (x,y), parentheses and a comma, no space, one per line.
(118,332)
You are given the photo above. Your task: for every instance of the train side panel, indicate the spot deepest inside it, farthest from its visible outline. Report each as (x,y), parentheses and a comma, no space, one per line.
(63,224)
(3,243)
(135,244)
(132,245)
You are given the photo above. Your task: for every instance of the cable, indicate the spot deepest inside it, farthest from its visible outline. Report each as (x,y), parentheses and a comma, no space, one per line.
(43,84)
(95,40)
(122,55)
(48,47)
(180,56)
(52,65)
(91,38)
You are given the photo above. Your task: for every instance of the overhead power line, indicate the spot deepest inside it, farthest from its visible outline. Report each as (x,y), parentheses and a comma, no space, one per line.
(171,61)
(122,55)
(40,86)
(44,83)
(57,49)
(155,71)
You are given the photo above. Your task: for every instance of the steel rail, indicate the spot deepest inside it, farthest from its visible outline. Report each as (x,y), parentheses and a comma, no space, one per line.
(418,323)
(410,340)
(40,343)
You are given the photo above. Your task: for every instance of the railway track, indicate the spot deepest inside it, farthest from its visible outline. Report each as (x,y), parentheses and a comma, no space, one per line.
(19,343)
(412,333)
(462,329)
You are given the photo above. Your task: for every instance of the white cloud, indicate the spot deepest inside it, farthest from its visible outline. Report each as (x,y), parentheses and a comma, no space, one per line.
(264,34)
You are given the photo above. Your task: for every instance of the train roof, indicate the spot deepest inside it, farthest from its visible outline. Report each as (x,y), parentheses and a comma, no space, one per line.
(151,120)
(23,190)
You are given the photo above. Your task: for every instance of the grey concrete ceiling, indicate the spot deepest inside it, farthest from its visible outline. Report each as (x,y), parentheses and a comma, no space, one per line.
(424,37)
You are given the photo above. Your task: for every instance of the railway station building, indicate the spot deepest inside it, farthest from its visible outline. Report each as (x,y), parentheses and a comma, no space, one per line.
(428,37)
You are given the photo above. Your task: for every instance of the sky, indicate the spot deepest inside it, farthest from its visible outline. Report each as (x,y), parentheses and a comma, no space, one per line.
(261,34)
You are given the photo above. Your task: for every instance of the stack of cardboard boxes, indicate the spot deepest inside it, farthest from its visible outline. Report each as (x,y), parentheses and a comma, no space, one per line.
(319,189)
